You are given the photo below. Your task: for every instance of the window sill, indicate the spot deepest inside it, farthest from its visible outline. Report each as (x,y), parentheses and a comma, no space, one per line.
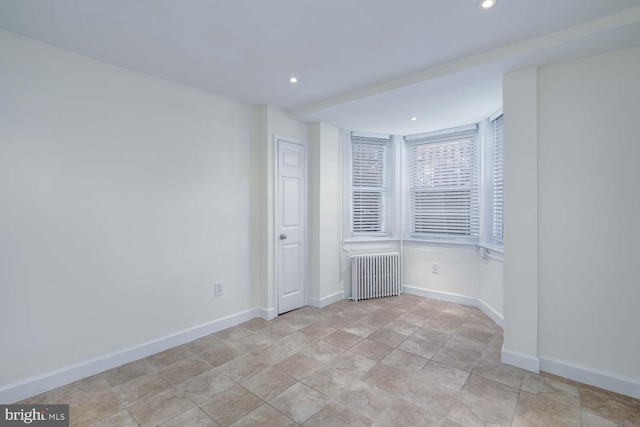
(370,239)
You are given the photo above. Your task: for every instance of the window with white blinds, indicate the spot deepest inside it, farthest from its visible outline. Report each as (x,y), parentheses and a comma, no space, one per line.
(497,175)
(369,179)
(443,186)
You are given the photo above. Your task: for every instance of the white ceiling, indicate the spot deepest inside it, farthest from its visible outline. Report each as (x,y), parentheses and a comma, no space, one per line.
(364,64)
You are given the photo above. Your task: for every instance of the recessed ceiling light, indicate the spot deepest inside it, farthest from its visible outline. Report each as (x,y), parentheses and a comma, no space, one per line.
(293,80)
(487,4)
(413,119)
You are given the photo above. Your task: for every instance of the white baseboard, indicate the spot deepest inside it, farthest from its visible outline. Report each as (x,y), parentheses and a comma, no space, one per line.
(325,301)
(520,360)
(39,384)
(457,299)
(491,312)
(267,313)
(595,377)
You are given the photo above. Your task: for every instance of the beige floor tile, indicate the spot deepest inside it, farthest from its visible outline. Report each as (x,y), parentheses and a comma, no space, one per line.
(371,350)
(436,399)
(443,375)
(220,353)
(234,333)
(336,321)
(231,405)
(119,419)
(317,332)
(342,339)
(610,406)
(445,326)
(352,364)
(392,380)
(185,369)
(338,415)
(265,416)
(538,411)
(60,394)
(278,330)
(160,408)
(322,351)
(124,373)
(492,354)
(405,413)
(387,337)
(464,360)
(296,341)
(471,415)
(268,383)
(92,404)
(551,388)
(255,324)
(500,372)
(405,361)
(195,417)
(256,342)
(414,317)
(299,366)
(141,388)
(242,367)
(589,419)
(347,364)
(457,342)
(430,335)
(477,335)
(169,357)
(360,329)
(376,321)
(367,400)
(203,344)
(481,322)
(299,402)
(331,382)
(205,386)
(401,327)
(420,348)
(484,402)
(274,354)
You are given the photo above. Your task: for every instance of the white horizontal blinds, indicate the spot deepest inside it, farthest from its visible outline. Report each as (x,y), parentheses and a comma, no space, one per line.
(443,180)
(498,173)
(369,184)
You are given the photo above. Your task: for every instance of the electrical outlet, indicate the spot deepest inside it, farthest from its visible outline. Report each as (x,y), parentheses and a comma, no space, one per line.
(435,267)
(218,289)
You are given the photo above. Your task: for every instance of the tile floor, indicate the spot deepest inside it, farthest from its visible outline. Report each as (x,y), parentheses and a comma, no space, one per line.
(401,361)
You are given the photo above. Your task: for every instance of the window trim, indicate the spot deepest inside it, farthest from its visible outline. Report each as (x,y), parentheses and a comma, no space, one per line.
(390,167)
(411,140)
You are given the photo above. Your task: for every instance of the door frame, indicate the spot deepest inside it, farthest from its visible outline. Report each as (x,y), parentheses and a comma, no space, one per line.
(276,218)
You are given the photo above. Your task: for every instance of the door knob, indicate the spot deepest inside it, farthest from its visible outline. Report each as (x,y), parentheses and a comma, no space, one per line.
(283,237)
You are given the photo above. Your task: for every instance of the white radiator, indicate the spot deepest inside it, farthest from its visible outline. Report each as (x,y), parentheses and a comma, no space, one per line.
(375,275)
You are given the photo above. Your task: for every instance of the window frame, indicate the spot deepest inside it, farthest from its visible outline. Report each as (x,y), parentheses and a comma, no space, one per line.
(475,215)
(388,192)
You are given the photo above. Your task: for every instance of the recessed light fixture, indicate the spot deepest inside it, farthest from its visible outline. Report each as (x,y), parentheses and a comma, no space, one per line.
(487,4)
(293,80)
(413,119)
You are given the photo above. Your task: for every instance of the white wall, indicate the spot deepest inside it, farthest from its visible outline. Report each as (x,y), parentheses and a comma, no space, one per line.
(122,199)
(326,283)
(462,273)
(521,219)
(271,122)
(458,269)
(589,209)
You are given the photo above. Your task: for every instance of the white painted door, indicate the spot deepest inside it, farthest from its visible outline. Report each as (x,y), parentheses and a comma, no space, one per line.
(291,226)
